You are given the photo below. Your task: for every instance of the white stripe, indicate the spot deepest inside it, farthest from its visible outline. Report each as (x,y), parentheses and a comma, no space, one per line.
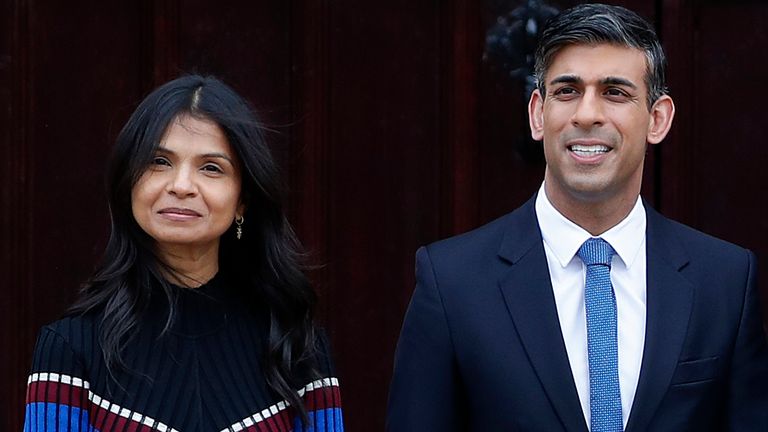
(276,408)
(57,378)
(98,400)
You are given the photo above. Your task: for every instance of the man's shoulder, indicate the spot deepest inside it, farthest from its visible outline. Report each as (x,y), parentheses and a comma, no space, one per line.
(692,240)
(485,242)
(702,252)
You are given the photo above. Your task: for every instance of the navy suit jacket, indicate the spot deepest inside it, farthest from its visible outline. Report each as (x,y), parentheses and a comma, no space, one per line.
(481,347)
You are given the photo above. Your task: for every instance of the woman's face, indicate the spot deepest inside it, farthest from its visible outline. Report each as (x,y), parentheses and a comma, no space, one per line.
(189,194)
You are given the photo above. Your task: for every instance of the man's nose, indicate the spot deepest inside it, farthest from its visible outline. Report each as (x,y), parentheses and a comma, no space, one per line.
(589,111)
(182,183)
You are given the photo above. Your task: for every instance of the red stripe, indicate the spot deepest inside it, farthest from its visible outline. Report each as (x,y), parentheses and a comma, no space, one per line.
(323,398)
(133,427)
(74,396)
(262,426)
(99,416)
(104,419)
(121,423)
(314,400)
(270,421)
(109,421)
(284,420)
(49,391)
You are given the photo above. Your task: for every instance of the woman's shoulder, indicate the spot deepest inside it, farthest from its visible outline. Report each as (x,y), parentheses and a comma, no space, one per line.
(323,353)
(73,327)
(63,344)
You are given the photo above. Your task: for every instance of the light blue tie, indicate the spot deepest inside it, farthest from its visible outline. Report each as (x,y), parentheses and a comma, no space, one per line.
(602,337)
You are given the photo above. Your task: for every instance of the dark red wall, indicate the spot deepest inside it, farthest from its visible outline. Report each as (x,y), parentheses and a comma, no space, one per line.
(391,130)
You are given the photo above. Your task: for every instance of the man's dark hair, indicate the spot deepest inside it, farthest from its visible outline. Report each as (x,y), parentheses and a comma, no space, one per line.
(592,24)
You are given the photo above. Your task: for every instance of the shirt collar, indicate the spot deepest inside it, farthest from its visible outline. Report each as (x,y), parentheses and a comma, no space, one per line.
(564,238)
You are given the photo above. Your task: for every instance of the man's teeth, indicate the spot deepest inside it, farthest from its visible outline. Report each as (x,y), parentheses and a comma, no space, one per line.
(586,150)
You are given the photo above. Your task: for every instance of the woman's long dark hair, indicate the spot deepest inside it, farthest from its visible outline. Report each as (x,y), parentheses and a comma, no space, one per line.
(267,259)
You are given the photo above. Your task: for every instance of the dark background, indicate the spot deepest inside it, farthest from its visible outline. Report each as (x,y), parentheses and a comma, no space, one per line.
(391,130)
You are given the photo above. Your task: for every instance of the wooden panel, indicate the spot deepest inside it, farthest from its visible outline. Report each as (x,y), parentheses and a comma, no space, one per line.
(246,44)
(72,86)
(15,331)
(384,168)
(81,94)
(728,146)
(459,130)
(675,157)
(712,166)
(722,182)
(310,140)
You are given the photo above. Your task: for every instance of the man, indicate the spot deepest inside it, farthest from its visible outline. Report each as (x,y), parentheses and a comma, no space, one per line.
(585,309)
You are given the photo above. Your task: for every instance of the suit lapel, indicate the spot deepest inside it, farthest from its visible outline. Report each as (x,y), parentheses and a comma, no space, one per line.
(669,302)
(527,291)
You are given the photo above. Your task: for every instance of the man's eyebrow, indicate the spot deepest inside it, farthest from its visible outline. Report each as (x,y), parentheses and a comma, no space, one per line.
(618,81)
(566,79)
(611,80)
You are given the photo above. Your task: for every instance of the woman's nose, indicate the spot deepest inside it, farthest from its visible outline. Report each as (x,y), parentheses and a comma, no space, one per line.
(182,183)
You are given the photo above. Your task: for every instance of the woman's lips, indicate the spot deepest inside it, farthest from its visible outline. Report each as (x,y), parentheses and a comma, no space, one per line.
(179,214)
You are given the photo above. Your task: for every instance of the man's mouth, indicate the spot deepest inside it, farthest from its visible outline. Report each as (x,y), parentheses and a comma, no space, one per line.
(588,150)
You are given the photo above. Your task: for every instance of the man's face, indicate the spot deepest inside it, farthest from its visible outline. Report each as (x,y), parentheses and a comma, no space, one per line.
(595,122)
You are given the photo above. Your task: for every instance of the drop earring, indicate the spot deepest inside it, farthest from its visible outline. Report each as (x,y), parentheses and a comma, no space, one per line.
(239,230)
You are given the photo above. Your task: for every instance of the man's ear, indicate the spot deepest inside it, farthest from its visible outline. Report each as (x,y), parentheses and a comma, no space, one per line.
(536,115)
(662,114)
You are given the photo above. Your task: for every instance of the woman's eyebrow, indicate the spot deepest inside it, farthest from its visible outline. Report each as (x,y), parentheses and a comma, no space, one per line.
(204,155)
(218,155)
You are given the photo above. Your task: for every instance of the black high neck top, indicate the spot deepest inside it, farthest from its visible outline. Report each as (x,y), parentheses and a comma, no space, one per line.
(201,371)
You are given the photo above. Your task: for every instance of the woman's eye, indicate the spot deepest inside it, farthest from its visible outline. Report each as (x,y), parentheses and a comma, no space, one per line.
(212,168)
(160,161)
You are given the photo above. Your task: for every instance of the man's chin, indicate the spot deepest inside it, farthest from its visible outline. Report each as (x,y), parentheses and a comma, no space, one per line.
(590,191)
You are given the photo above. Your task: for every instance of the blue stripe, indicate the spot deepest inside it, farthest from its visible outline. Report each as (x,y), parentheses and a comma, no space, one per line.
(52,417)
(326,420)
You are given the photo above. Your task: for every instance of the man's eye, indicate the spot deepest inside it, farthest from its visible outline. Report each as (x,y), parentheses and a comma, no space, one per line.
(615,92)
(565,91)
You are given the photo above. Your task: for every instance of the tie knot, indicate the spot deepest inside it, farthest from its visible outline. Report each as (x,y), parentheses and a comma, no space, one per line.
(596,251)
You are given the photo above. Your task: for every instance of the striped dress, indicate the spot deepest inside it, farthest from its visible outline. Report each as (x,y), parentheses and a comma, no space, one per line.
(203,374)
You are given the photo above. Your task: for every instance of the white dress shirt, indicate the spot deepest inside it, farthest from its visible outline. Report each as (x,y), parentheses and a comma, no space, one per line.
(562,239)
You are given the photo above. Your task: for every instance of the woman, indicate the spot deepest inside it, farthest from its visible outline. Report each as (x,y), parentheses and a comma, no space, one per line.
(199,317)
